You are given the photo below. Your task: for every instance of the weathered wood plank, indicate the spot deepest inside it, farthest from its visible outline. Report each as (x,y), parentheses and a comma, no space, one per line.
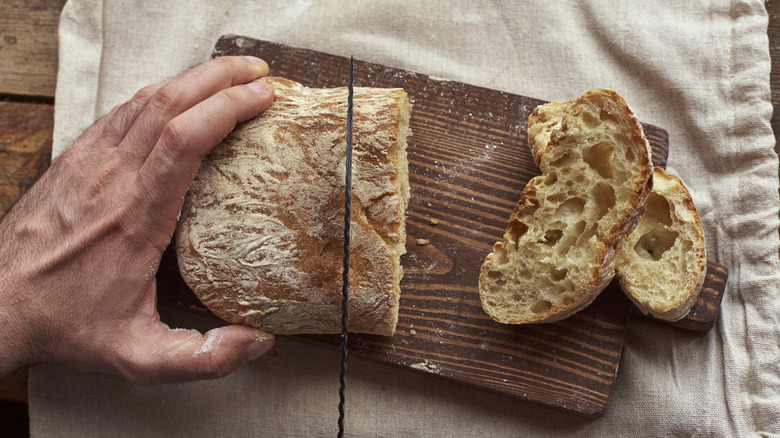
(28,47)
(25,147)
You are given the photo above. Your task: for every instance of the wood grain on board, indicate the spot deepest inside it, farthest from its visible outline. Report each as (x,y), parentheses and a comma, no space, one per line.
(25,148)
(468,163)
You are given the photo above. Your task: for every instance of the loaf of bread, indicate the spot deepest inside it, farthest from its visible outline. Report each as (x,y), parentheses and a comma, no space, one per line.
(661,265)
(558,251)
(260,238)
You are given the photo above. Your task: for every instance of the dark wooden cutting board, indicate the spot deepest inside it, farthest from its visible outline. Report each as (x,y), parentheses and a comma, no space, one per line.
(468,163)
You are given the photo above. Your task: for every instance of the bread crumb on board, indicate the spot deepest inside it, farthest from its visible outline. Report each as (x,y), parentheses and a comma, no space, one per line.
(423,241)
(427,366)
(434,221)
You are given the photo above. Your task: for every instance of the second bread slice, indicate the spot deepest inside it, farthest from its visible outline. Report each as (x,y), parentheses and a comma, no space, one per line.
(558,251)
(662,264)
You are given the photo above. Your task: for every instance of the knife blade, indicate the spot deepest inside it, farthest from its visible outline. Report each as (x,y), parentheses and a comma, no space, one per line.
(345,278)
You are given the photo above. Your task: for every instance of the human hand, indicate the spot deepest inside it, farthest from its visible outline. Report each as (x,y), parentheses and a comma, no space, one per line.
(80,249)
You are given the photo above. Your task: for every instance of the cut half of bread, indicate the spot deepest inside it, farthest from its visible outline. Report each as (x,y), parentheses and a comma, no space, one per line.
(558,251)
(661,265)
(260,238)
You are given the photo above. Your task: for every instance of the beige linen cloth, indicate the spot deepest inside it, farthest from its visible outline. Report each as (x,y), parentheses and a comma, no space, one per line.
(698,69)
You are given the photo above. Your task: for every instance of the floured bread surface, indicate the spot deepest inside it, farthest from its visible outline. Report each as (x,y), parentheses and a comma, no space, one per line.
(662,264)
(260,238)
(558,251)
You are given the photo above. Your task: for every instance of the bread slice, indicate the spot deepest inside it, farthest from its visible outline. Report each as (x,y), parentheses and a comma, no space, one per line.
(260,238)
(558,251)
(662,264)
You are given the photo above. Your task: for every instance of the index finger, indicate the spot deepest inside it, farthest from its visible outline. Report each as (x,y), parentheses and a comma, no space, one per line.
(170,168)
(182,93)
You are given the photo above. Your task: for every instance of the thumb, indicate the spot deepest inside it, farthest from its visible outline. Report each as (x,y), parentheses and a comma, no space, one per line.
(182,355)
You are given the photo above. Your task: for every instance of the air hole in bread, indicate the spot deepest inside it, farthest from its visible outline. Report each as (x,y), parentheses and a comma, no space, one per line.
(590,120)
(542,306)
(558,198)
(629,153)
(606,116)
(658,210)
(570,238)
(653,244)
(582,235)
(604,196)
(551,237)
(516,230)
(571,208)
(558,274)
(599,157)
(563,161)
(551,178)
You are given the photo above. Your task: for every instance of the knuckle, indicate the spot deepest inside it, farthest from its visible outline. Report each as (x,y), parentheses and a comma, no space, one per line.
(164,100)
(225,102)
(120,119)
(143,95)
(223,61)
(175,138)
(214,366)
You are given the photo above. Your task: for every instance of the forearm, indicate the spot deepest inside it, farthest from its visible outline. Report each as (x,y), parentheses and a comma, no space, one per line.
(14,345)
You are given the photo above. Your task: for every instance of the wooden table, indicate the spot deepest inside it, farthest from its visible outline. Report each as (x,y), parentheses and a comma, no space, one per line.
(28,74)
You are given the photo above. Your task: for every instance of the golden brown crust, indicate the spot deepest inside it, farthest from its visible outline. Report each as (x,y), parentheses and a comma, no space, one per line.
(261,233)
(541,122)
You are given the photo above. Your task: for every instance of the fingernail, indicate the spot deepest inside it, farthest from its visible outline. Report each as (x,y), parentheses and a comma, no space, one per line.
(262,66)
(259,87)
(262,343)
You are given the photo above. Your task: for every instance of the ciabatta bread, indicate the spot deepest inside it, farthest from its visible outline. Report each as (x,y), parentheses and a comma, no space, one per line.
(662,264)
(260,236)
(558,251)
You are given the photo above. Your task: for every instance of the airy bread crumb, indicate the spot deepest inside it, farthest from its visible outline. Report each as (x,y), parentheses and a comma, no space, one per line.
(558,251)
(662,264)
